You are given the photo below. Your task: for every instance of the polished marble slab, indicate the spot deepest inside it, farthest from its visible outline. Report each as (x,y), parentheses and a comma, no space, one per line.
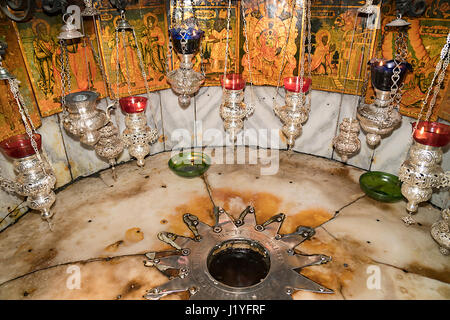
(102,226)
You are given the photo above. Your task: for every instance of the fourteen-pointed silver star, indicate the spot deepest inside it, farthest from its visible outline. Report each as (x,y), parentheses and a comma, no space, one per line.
(235,259)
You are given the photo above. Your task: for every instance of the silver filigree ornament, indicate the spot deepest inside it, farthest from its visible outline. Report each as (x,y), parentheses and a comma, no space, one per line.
(210,265)
(293,114)
(137,135)
(233,110)
(185,81)
(421,173)
(376,119)
(35,178)
(83,119)
(110,145)
(347,142)
(380,118)
(440,231)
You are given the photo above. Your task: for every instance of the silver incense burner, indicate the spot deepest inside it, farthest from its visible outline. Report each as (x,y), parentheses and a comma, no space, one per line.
(137,135)
(184,81)
(381,118)
(233,110)
(35,178)
(296,111)
(347,142)
(84,119)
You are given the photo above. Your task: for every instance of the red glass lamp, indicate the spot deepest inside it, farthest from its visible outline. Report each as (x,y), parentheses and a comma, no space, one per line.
(433,134)
(233,81)
(19,146)
(294,84)
(133,104)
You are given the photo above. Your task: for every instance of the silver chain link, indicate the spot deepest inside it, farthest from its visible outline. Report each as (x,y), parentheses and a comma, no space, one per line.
(227,44)
(249,60)
(288,35)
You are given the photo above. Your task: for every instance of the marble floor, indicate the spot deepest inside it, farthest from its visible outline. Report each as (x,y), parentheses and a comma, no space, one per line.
(102,228)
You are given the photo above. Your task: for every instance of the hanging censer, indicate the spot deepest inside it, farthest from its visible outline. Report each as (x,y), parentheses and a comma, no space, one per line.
(421,171)
(109,145)
(186,37)
(137,135)
(35,177)
(80,116)
(296,111)
(382,117)
(298,97)
(233,110)
(347,143)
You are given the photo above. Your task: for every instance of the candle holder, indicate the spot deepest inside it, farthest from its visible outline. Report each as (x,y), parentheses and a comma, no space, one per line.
(440,231)
(137,136)
(185,81)
(84,119)
(110,145)
(421,171)
(380,118)
(233,110)
(347,142)
(296,111)
(35,178)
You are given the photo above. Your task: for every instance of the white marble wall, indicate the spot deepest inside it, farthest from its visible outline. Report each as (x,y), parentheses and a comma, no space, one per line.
(200,125)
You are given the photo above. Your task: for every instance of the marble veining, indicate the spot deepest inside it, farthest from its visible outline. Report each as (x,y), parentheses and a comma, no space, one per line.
(103,227)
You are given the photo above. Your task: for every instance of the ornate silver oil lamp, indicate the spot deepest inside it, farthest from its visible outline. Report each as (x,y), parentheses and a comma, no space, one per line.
(35,178)
(110,145)
(381,118)
(347,142)
(233,110)
(184,81)
(137,135)
(84,119)
(296,111)
(440,231)
(421,171)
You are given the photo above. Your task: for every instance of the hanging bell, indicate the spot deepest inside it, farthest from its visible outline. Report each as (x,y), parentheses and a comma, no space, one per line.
(398,23)
(123,25)
(69,31)
(89,9)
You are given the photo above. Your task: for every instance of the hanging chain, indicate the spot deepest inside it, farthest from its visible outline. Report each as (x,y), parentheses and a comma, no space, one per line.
(88,71)
(66,86)
(127,66)
(285,51)
(308,102)
(249,60)
(444,61)
(169,42)
(440,70)
(98,59)
(363,50)
(143,73)
(28,123)
(346,74)
(400,57)
(227,44)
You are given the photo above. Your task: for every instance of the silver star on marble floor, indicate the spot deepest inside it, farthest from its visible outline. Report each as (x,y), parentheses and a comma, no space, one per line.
(189,265)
